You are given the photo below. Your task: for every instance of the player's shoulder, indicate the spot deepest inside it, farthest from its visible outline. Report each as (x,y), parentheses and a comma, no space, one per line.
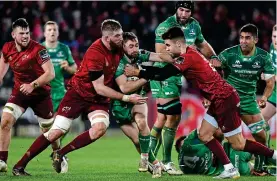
(233,49)
(261,52)
(36,46)
(8,46)
(97,49)
(192,20)
(169,22)
(63,46)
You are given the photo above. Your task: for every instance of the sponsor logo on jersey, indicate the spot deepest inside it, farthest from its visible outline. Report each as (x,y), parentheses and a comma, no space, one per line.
(60,54)
(192,32)
(179,60)
(44,55)
(237,64)
(66,109)
(256,65)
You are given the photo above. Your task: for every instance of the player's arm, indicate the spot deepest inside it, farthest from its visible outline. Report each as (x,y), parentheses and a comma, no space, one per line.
(269,77)
(129,86)
(97,78)
(161,57)
(153,73)
(46,77)
(69,64)
(4,66)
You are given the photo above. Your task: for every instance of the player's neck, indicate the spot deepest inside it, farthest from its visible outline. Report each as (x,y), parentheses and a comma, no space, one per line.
(184,49)
(49,44)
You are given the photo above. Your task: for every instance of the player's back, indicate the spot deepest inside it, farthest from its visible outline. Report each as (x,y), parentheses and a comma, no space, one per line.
(26,64)
(97,58)
(195,157)
(199,72)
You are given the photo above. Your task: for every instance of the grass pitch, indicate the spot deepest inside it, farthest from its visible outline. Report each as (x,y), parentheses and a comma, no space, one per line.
(113,157)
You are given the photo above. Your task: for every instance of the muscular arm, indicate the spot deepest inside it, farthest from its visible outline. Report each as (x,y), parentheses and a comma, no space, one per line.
(49,74)
(269,87)
(106,91)
(129,86)
(72,69)
(206,49)
(153,73)
(3,67)
(161,57)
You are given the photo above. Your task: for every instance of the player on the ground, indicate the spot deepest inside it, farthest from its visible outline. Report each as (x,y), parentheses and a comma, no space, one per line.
(223,97)
(33,70)
(131,118)
(195,158)
(167,92)
(243,65)
(90,91)
(270,108)
(63,62)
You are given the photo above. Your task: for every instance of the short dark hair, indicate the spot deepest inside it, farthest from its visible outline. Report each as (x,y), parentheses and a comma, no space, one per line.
(172,33)
(129,36)
(178,143)
(110,25)
(21,22)
(250,28)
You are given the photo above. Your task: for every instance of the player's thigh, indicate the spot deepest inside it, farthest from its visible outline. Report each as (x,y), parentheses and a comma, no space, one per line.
(269,111)
(171,88)
(207,129)
(140,112)
(122,113)
(131,131)
(249,106)
(237,141)
(227,114)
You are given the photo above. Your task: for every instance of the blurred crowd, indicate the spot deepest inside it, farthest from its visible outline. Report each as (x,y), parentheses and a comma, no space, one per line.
(80,21)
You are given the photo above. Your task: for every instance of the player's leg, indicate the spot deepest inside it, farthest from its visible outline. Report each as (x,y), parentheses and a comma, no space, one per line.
(11,113)
(99,120)
(140,114)
(131,131)
(224,112)
(259,128)
(71,107)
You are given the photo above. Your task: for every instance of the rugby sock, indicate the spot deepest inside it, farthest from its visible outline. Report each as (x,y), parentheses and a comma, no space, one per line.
(268,136)
(218,150)
(257,148)
(80,141)
(155,140)
(168,135)
(144,142)
(4,156)
(152,157)
(40,144)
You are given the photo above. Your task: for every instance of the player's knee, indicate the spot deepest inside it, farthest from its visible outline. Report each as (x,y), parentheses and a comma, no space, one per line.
(61,123)
(14,111)
(53,134)
(205,137)
(238,145)
(141,122)
(257,130)
(97,130)
(45,124)
(7,122)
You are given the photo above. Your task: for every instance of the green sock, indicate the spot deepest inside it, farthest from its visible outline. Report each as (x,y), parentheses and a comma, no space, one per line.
(168,135)
(152,157)
(268,136)
(155,140)
(144,142)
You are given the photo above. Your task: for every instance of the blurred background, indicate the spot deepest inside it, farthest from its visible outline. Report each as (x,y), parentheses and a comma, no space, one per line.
(80,22)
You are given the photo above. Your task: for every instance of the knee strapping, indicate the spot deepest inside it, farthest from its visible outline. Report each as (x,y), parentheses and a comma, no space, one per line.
(62,123)
(94,119)
(257,127)
(13,109)
(45,123)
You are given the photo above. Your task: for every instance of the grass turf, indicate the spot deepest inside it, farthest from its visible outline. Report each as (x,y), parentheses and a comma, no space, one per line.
(113,157)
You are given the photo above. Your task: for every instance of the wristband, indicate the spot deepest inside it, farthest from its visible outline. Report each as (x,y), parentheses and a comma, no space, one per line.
(126,98)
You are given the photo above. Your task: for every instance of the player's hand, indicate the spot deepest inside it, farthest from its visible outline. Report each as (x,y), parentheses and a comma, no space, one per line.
(206,103)
(137,99)
(262,102)
(262,76)
(130,71)
(64,65)
(215,62)
(26,88)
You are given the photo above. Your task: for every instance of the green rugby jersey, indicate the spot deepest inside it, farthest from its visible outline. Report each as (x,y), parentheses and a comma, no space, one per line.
(273,54)
(243,72)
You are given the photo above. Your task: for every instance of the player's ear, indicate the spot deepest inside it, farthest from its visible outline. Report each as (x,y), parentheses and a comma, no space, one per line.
(178,43)
(256,39)
(13,34)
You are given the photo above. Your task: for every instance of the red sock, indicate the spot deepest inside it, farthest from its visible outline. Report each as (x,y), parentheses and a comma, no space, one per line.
(218,150)
(4,156)
(257,148)
(40,144)
(80,141)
